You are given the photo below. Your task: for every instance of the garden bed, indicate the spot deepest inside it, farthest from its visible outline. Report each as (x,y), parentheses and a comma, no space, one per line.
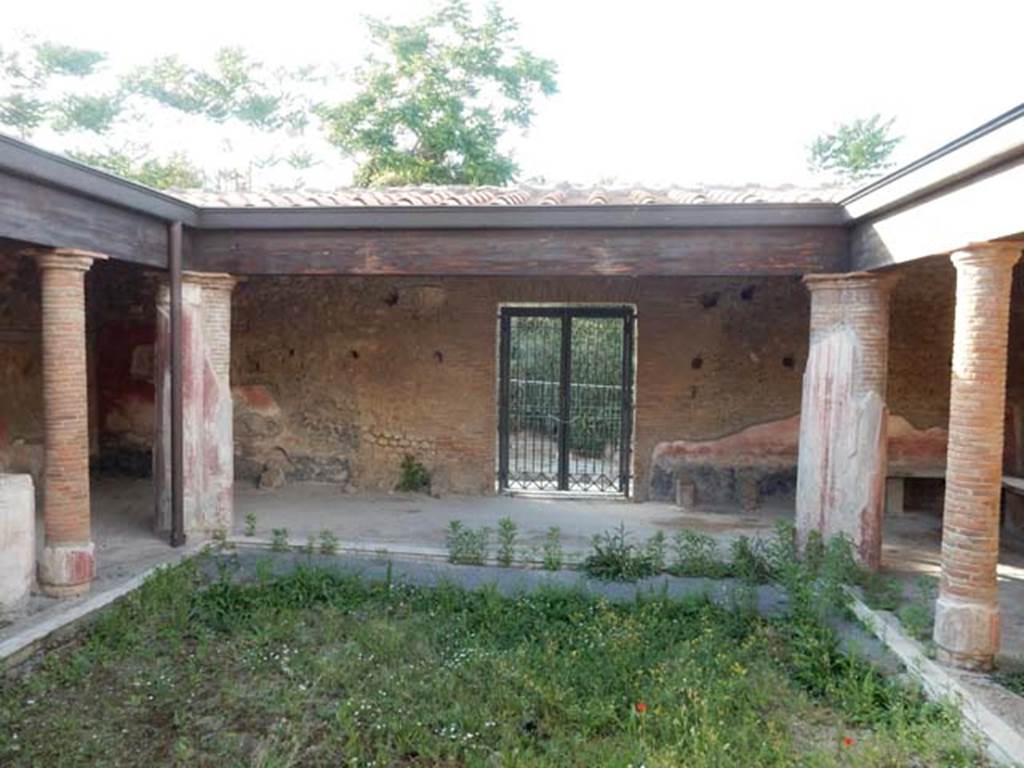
(312,666)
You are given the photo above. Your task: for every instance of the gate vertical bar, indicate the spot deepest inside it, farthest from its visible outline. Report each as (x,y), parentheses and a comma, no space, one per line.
(565,402)
(626,429)
(504,398)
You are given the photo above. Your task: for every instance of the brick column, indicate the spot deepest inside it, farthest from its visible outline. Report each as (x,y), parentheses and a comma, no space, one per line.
(208,442)
(967,611)
(843,422)
(67,565)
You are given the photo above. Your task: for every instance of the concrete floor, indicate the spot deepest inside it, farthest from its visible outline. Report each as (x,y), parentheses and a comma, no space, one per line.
(126,544)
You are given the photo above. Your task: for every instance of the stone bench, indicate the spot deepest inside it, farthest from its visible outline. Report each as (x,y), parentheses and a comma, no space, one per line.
(771,449)
(17,541)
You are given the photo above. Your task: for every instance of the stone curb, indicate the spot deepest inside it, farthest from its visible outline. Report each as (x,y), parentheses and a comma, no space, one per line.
(571,559)
(62,620)
(1002,742)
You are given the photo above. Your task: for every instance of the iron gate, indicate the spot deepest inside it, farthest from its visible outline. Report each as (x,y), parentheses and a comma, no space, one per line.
(566,399)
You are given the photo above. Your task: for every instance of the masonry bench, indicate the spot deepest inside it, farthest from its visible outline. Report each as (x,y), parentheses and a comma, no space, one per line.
(895,484)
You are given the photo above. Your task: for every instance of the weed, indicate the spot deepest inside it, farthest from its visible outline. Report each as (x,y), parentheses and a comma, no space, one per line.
(749,560)
(413,477)
(466,546)
(279,540)
(507,530)
(615,558)
(654,551)
(250,523)
(553,556)
(328,542)
(220,540)
(446,676)
(309,547)
(696,554)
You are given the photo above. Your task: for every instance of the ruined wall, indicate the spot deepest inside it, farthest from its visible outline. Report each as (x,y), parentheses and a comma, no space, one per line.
(337,378)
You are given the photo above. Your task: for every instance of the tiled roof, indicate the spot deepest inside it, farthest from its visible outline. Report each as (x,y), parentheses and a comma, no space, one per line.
(514,196)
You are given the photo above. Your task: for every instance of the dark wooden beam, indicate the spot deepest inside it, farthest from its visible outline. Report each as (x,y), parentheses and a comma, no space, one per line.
(44,215)
(542,252)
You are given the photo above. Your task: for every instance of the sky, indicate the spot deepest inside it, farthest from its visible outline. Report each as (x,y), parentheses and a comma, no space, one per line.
(657,93)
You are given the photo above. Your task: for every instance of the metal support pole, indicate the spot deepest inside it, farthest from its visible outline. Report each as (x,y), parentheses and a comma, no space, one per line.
(174,234)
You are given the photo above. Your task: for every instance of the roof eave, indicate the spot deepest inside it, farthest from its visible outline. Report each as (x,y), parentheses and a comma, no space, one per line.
(529,217)
(20,158)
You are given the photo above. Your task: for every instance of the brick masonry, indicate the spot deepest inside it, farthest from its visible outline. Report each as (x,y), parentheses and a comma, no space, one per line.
(967,611)
(306,405)
(67,564)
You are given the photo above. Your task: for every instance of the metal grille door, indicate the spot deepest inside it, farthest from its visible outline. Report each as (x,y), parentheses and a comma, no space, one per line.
(566,399)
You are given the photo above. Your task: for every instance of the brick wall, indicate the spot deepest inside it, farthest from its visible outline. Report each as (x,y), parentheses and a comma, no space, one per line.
(339,377)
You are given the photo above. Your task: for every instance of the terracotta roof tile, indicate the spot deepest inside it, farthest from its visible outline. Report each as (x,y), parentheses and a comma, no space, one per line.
(564,194)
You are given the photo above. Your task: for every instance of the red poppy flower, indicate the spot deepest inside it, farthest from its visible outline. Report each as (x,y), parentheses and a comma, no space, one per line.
(640,707)
(848,741)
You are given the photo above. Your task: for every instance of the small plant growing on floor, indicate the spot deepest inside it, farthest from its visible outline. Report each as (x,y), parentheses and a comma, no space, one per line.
(553,556)
(654,551)
(250,524)
(696,554)
(507,530)
(279,540)
(466,546)
(328,542)
(413,477)
(749,560)
(615,558)
(918,617)
(220,539)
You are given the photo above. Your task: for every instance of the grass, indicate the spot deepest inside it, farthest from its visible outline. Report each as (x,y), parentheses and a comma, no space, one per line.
(319,668)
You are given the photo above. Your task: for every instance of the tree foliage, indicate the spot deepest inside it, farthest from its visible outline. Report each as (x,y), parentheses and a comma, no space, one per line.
(51,87)
(236,86)
(173,172)
(26,103)
(435,98)
(855,150)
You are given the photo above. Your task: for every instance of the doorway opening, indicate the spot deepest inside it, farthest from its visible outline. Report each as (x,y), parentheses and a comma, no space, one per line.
(566,399)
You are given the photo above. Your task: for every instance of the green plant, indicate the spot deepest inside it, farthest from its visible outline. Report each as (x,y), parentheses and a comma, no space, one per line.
(279,540)
(250,523)
(654,551)
(553,556)
(507,530)
(385,670)
(749,560)
(328,542)
(309,547)
(220,539)
(696,554)
(466,546)
(413,477)
(615,558)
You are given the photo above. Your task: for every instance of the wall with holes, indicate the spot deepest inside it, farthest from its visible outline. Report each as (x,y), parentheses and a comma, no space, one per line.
(337,378)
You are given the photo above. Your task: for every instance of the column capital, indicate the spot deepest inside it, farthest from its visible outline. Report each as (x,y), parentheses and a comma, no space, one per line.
(881,281)
(992,253)
(64,258)
(218,281)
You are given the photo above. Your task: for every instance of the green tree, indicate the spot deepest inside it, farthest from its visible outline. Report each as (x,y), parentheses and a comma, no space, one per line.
(855,150)
(47,86)
(436,96)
